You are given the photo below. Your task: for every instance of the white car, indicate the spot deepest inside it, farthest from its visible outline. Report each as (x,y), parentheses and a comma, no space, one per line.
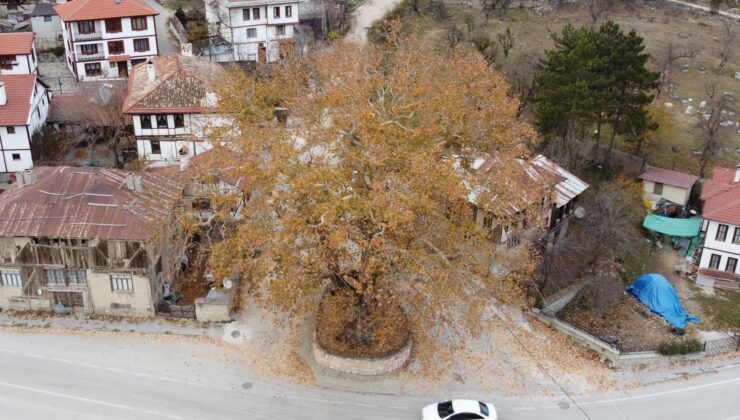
(459,410)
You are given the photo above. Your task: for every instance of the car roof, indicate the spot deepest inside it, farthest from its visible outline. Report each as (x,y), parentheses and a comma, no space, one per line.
(466,406)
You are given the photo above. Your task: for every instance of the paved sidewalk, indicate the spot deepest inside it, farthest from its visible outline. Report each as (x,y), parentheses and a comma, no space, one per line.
(111,324)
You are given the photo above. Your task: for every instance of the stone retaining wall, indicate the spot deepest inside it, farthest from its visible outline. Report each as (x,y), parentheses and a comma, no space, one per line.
(361,366)
(607,352)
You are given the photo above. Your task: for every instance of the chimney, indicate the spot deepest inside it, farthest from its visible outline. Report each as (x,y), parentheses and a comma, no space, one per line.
(3,95)
(737,173)
(151,71)
(24,178)
(133,183)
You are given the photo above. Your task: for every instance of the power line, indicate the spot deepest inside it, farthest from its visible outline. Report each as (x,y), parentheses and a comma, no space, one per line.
(539,365)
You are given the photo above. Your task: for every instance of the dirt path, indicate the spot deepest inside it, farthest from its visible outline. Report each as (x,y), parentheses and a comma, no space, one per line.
(366,15)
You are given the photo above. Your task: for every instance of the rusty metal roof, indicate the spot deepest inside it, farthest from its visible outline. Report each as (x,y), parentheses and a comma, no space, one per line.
(87,203)
(568,186)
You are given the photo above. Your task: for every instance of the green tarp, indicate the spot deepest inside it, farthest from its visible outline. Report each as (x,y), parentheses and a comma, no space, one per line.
(674,227)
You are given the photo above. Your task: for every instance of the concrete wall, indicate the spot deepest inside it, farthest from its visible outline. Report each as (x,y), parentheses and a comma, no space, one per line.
(47,33)
(674,194)
(99,285)
(29,304)
(357,366)
(606,351)
(212,310)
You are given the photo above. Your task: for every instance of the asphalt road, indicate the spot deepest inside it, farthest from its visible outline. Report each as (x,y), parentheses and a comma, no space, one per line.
(59,376)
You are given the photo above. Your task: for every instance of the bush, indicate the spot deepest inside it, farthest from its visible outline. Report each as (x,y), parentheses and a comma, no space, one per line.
(58,51)
(673,348)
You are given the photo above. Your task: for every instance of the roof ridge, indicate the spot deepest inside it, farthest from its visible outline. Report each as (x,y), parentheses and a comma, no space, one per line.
(155,87)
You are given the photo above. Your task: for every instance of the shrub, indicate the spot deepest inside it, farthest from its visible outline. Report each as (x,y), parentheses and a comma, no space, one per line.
(673,348)
(58,51)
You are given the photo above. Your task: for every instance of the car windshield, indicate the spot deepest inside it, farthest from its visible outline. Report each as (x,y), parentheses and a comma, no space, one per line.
(483,408)
(466,416)
(445,409)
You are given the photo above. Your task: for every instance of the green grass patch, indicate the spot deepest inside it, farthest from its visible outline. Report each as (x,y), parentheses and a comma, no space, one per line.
(724,308)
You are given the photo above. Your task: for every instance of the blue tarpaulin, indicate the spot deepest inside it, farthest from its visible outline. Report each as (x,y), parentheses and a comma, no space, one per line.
(658,294)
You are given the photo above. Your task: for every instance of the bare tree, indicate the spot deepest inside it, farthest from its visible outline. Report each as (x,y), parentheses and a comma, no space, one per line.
(98,118)
(596,8)
(522,76)
(469,23)
(506,40)
(727,45)
(714,6)
(487,48)
(709,141)
(453,36)
(672,53)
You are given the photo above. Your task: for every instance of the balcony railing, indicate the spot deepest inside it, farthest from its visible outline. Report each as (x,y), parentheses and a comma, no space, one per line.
(88,37)
(87,57)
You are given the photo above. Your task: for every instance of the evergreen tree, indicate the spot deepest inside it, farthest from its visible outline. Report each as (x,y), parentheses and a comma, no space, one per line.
(592,78)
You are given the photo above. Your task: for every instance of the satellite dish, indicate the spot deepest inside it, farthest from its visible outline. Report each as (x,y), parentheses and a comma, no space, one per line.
(228,284)
(580,212)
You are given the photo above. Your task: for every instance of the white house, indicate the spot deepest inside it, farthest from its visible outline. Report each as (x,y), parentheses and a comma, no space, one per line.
(103,39)
(17,53)
(254,28)
(46,25)
(171,105)
(24,104)
(721,222)
(658,183)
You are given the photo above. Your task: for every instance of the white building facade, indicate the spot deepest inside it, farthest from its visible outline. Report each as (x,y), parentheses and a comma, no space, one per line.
(18,53)
(721,247)
(105,42)
(46,26)
(254,28)
(24,106)
(171,103)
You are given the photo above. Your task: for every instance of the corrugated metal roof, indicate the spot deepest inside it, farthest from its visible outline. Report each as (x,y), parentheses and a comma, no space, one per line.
(87,203)
(569,185)
(668,177)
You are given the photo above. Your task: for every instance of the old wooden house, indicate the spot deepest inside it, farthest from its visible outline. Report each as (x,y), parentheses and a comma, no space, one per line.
(92,240)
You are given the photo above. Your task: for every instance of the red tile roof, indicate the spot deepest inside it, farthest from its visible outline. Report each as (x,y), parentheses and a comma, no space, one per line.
(721,197)
(19,90)
(19,43)
(668,177)
(102,9)
(181,85)
(87,203)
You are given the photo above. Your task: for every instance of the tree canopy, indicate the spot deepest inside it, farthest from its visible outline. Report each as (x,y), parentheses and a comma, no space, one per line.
(365,188)
(591,78)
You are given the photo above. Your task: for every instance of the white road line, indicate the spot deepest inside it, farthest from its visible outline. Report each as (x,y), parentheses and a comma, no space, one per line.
(141,375)
(71,397)
(295,397)
(37,356)
(172,416)
(56,359)
(660,394)
(114,370)
(89,365)
(156,413)
(164,378)
(737,365)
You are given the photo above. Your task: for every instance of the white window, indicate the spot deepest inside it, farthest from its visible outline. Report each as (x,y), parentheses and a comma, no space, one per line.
(121,282)
(77,276)
(54,276)
(251,32)
(12,278)
(280,30)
